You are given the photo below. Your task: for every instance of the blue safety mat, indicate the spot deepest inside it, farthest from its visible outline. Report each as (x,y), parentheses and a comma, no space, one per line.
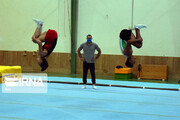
(114,82)
(71,102)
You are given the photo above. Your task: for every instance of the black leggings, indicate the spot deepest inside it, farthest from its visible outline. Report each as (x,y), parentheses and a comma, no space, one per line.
(90,66)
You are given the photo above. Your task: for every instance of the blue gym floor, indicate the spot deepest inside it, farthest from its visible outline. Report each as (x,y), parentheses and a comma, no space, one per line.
(71,102)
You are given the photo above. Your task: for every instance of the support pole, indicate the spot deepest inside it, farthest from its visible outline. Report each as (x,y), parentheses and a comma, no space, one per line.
(73,35)
(132,17)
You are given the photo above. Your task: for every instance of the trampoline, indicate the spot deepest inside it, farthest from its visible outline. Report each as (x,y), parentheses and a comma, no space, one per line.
(112,100)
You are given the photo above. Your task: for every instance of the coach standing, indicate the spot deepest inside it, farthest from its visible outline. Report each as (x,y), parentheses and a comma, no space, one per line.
(89,59)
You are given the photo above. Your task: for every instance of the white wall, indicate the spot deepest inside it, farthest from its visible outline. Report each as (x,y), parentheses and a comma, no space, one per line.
(104,19)
(17,26)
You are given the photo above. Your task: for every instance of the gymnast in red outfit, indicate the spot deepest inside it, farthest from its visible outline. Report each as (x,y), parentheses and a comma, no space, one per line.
(49,38)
